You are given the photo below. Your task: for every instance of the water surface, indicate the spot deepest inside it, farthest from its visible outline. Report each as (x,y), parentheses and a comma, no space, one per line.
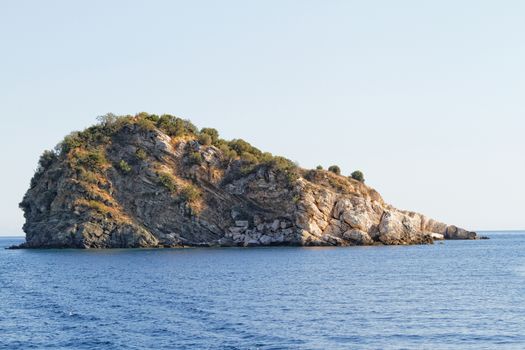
(461,294)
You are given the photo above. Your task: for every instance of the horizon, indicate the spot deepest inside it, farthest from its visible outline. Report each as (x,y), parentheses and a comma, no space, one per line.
(430,109)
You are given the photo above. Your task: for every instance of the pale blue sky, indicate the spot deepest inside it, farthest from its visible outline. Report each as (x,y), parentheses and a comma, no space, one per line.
(426,97)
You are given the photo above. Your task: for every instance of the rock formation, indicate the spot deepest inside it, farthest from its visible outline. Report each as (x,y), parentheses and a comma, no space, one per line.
(149,181)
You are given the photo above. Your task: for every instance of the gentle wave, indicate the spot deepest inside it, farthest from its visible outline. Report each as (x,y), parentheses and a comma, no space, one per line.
(461,294)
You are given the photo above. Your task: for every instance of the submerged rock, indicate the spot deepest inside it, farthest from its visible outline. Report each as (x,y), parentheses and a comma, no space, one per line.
(148,181)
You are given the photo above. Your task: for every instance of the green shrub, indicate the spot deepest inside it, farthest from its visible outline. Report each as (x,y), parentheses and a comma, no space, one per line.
(94,159)
(46,159)
(141,154)
(228,152)
(88,176)
(319,167)
(247,169)
(107,119)
(174,126)
(98,206)
(249,158)
(284,166)
(190,193)
(168,181)
(282,163)
(111,123)
(189,127)
(70,142)
(266,157)
(213,133)
(146,124)
(90,137)
(142,115)
(195,158)
(335,169)
(167,124)
(153,117)
(95,135)
(124,166)
(358,175)
(240,146)
(291,176)
(220,143)
(205,139)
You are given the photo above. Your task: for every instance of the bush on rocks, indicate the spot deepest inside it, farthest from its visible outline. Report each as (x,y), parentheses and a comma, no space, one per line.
(335,169)
(358,175)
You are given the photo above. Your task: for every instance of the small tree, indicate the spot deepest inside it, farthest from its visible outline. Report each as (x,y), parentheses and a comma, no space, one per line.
(107,119)
(213,133)
(319,167)
(358,175)
(205,139)
(335,169)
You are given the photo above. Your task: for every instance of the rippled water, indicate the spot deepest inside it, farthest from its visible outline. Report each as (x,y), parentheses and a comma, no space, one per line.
(461,294)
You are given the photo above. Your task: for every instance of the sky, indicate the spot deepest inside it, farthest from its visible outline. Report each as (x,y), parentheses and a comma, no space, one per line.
(425,97)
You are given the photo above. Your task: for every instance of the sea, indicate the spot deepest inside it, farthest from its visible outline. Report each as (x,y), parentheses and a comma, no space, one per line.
(449,295)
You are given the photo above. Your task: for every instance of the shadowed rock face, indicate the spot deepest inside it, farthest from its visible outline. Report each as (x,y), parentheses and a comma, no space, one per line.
(148,190)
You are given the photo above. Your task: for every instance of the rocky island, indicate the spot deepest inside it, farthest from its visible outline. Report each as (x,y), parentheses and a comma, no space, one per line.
(158,181)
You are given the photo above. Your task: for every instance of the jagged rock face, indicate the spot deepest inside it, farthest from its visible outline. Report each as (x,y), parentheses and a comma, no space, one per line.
(160,197)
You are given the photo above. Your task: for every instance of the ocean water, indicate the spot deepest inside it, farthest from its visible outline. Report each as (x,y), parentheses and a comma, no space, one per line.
(456,295)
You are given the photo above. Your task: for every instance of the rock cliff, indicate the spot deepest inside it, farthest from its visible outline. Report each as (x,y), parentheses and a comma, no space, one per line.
(150,181)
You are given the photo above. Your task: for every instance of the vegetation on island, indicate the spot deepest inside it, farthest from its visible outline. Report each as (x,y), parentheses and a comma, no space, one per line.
(85,154)
(358,175)
(335,169)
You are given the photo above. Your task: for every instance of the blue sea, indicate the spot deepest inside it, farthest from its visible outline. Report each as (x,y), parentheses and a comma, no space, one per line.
(455,295)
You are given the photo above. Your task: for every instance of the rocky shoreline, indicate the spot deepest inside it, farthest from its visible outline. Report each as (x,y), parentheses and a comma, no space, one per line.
(149,181)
